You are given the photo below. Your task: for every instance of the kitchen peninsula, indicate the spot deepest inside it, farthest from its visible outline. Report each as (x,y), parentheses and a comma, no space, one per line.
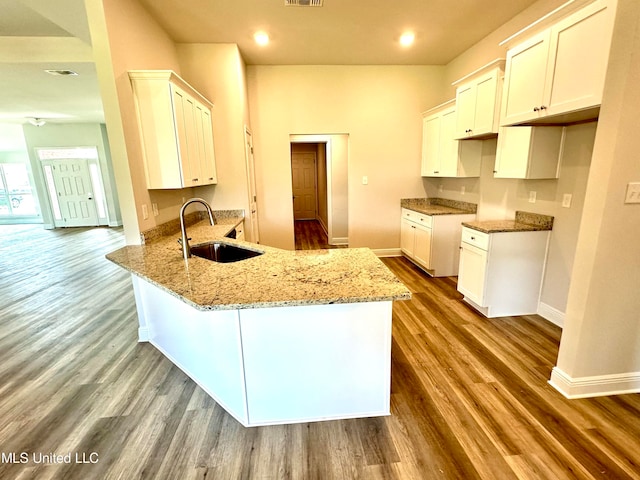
(283,337)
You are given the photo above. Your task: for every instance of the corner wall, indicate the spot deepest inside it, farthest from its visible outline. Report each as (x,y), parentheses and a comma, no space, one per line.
(600,345)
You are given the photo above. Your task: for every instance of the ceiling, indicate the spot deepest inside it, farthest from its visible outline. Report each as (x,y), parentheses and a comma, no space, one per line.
(36,35)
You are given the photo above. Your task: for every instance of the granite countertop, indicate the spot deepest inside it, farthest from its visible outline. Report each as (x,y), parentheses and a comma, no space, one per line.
(438,206)
(276,278)
(523,222)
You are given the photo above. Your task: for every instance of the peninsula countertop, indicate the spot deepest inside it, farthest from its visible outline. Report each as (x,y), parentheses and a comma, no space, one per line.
(275,279)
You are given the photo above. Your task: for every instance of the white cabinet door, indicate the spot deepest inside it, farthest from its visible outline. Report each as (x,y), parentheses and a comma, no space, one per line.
(442,154)
(407,237)
(207,154)
(578,62)
(524,80)
(422,246)
(431,155)
(472,273)
(449,146)
(477,104)
(466,106)
(560,70)
(183,113)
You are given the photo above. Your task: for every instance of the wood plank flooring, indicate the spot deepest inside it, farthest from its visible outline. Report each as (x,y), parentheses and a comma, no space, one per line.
(309,235)
(470,398)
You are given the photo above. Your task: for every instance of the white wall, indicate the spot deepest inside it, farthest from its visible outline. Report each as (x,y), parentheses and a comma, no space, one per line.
(377,106)
(72,135)
(602,330)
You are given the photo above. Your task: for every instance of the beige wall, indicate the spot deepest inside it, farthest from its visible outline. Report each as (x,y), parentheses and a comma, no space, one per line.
(602,330)
(218,72)
(135,42)
(378,107)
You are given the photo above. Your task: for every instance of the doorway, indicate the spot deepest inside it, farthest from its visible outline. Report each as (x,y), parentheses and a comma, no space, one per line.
(74,186)
(320,188)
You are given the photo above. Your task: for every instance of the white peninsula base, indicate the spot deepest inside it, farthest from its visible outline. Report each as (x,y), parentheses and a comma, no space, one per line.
(279,365)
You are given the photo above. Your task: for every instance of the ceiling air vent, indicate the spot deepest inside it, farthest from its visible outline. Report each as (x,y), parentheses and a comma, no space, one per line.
(303,3)
(62,73)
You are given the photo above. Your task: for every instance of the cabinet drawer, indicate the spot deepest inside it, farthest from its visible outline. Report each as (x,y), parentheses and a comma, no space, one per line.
(474,237)
(419,218)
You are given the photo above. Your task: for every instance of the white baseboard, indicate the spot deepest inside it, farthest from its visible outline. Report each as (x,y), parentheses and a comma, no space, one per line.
(387,252)
(596,386)
(339,241)
(554,315)
(143,334)
(115,223)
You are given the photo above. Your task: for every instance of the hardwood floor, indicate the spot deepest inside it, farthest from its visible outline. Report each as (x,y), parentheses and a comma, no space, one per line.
(309,235)
(470,398)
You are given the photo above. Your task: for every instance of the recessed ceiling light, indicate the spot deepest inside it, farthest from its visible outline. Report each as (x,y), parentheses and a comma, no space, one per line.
(407,38)
(62,73)
(261,38)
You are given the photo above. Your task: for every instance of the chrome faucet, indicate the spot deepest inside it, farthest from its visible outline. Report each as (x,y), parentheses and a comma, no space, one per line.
(184,241)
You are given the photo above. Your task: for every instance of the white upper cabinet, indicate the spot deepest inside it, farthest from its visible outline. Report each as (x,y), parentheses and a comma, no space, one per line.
(442,154)
(560,70)
(529,152)
(175,130)
(478,101)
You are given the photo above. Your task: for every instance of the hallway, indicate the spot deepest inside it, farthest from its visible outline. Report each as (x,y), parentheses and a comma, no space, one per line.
(310,235)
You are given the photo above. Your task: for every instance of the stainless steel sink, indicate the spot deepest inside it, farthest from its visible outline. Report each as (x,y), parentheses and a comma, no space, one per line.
(223,252)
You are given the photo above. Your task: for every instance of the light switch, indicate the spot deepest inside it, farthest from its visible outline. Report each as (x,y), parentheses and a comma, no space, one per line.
(145,211)
(365,180)
(532,197)
(633,193)
(154,208)
(566,200)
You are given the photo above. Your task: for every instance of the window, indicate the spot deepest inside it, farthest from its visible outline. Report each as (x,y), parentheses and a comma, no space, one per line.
(16,196)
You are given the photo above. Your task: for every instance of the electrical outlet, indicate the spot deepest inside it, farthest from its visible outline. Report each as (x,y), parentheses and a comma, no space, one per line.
(365,180)
(566,200)
(462,190)
(154,208)
(145,211)
(633,193)
(440,188)
(532,197)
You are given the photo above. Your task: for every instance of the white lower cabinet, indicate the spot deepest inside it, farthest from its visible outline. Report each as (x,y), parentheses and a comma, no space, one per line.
(500,273)
(431,241)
